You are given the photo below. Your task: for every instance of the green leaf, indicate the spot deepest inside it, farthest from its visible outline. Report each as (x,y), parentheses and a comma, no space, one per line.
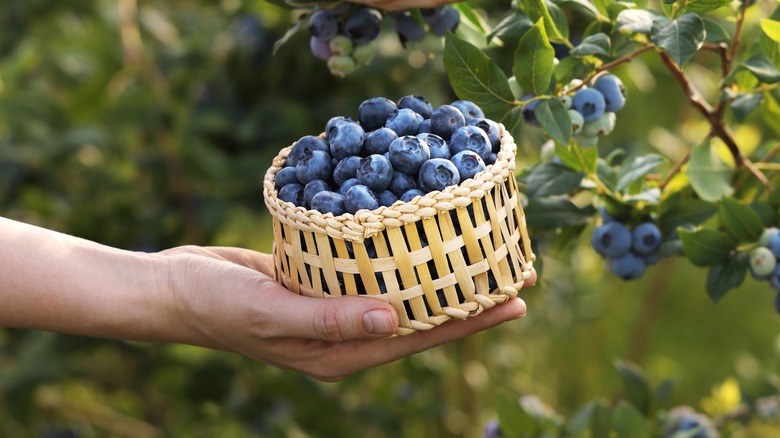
(597,45)
(588,6)
(533,61)
(676,211)
(636,385)
(723,277)
(771,28)
(554,212)
(663,392)
(577,157)
(554,119)
(512,418)
(629,422)
(515,25)
(716,33)
(762,68)
(764,210)
(551,179)
(706,247)
(709,176)
(537,9)
(635,21)
(601,420)
(560,20)
(702,6)
(572,67)
(681,38)
(740,221)
(474,76)
(744,104)
(637,169)
(580,421)
(471,17)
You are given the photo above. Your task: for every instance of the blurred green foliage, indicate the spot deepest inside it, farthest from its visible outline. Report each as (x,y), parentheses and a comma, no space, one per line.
(146,125)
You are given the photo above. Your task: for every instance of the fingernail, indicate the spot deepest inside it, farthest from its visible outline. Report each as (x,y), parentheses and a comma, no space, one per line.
(378,322)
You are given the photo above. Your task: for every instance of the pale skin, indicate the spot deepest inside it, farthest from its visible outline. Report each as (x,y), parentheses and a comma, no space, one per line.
(214,297)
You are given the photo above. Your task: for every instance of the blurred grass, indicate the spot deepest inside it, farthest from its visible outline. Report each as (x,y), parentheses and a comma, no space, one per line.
(163,140)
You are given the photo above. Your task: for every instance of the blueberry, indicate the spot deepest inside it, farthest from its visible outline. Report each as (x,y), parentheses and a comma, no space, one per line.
(411,194)
(335,121)
(590,103)
(292,193)
(375,172)
(284,176)
(629,266)
(407,28)
(469,109)
(319,48)
(437,146)
(312,188)
(363,25)
(408,153)
(529,110)
(577,122)
(313,165)
(404,122)
(767,234)
(601,126)
(565,100)
(346,169)
(402,183)
(425,127)
(323,25)
(378,141)
(605,216)
(468,163)
(436,174)
(306,142)
(762,262)
(611,87)
(346,139)
(417,104)
(360,197)
(491,129)
(774,244)
(348,184)
(645,238)
(492,158)
(341,65)
(611,239)
(447,20)
(470,138)
(445,120)
(364,53)
(328,202)
(386,198)
(774,278)
(341,45)
(373,112)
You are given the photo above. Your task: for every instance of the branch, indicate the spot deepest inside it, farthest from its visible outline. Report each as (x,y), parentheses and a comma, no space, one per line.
(610,65)
(675,170)
(693,95)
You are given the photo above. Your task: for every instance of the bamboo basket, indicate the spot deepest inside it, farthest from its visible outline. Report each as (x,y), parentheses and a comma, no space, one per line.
(447,255)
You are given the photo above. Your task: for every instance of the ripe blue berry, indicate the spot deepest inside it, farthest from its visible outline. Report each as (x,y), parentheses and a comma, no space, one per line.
(590,103)
(629,266)
(313,165)
(411,194)
(346,169)
(468,163)
(645,238)
(323,25)
(437,146)
(328,202)
(529,110)
(404,121)
(363,25)
(469,109)
(375,172)
(408,153)
(470,138)
(407,28)
(425,127)
(305,142)
(445,120)
(346,139)
(360,197)
(386,198)
(611,239)
(767,234)
(312,188)
(491,129)
(436,174)
(402,183)
(335,121)
(373,112)
(417,104)
(292,193)
(319,48)
(447,20)
(378,141)
(348,184)
(284,176)
(614,93)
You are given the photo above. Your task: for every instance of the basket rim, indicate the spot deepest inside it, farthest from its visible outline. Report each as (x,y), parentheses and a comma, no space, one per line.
(364,222)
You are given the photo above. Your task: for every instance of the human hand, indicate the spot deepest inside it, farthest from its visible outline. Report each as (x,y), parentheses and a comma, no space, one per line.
(402,5)
(228,300)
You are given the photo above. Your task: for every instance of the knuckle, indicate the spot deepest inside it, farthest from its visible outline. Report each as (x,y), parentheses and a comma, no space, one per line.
(328,325)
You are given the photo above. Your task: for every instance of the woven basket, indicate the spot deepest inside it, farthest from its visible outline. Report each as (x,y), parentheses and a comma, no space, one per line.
(445,255)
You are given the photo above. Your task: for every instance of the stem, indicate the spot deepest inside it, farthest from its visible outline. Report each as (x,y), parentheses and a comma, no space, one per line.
(675,170)
(613,64)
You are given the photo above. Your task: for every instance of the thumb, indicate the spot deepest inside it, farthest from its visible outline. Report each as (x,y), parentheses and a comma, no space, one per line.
(338,319)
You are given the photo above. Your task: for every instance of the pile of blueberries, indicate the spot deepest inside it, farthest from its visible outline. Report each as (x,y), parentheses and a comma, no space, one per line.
(345,35)
(591,109)
(394,151)
(627,251)
(765,260)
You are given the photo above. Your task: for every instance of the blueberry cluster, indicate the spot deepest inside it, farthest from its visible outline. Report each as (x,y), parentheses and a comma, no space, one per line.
(591,109)
(628,251)
(765,260)
(394,151)
(345,36)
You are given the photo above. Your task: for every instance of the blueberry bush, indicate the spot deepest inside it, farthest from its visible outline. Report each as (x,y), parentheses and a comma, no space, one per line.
(647,138)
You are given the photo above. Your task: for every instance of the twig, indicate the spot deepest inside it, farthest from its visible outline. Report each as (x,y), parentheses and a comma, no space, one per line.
(613,64)
(675,170)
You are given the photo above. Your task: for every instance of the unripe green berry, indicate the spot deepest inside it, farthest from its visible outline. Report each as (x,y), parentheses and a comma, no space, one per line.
(767,234)
(601,126)
(547,152)
(341,66)
(762,261)
(565,100)
(576,121)
(364,53)
(341,45)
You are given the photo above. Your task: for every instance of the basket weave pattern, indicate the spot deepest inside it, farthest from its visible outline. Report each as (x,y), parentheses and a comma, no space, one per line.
(431,258)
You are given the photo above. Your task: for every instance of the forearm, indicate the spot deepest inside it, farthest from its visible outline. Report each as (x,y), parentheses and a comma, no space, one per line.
(53,281)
